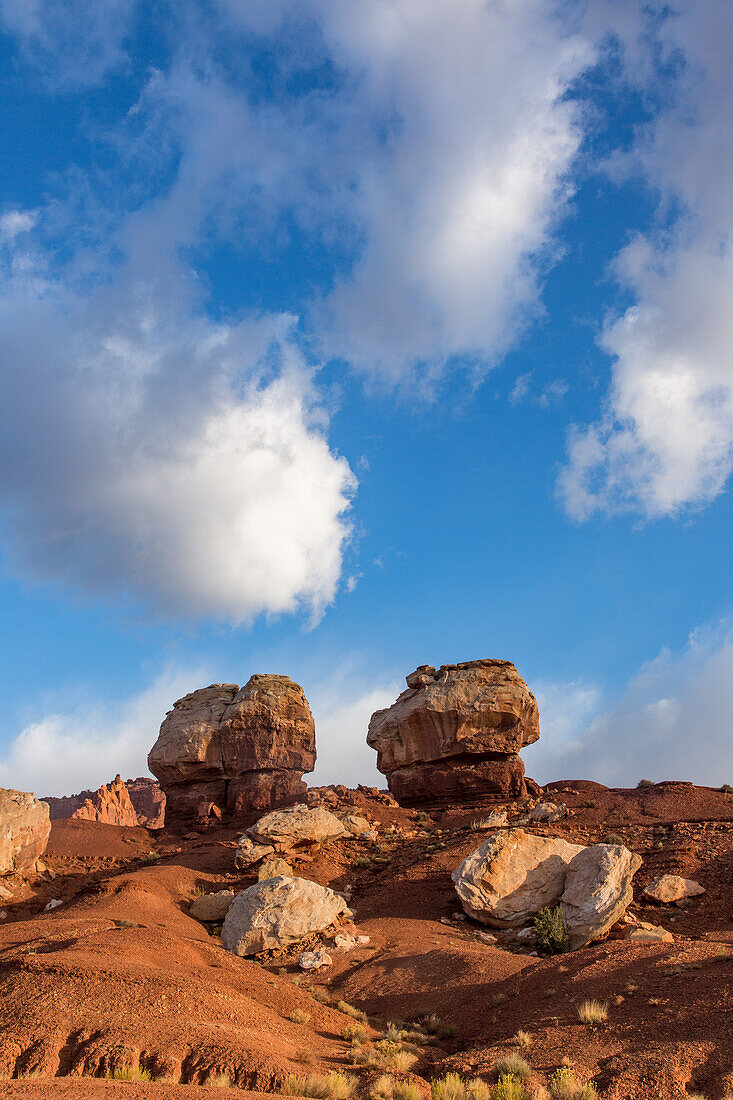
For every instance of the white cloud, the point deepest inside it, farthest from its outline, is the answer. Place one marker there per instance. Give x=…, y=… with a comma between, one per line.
x=665, y=440
x=149, y=451
x=671, y=722
x=15, y=222
x=64, y=753
x=342, y=708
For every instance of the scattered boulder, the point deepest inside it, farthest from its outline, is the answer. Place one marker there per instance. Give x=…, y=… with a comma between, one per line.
x=670, y=888
x=355, y=824
x=512, y=875
x=648, y=933
x=212, y=907
x=455, y=733
x=598, y=890
x=278, y=912
x=110, y=804
x=25, y=826
x=344, y=941
x=301, y=824
x=274, y=866
x=53, y=904
x=314, y=960
x=225, y=751
x=249, y=853
x=496, y=820
x=548, y=811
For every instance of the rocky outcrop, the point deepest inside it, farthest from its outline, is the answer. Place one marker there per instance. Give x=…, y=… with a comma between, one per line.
x=278, y=912
x=284, y=829
x=514, y=874
x=455, y=733
x=224, y=751
x=148, y=800
x=134, y=802
x=25, y=826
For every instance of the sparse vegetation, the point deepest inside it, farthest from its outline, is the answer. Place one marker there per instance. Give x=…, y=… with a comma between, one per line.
x=349, y=1010
x=355, y=1033
x=403, y=1060
x=478, y=1089
x=513, y=1065
x=450, y=1087
x=644, y=783
x=563, y=1085
x=305, y=1057
x=219, y=1081
x=330, y=1086
x=387, y=1088
x=614, y=838
x=592, y=1012
x=298, y=1016
x=129, y=1073
x=522, y=1039
x=551, y=931
x=510, y=1088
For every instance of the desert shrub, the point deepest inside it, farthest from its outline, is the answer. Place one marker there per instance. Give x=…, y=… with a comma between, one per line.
x=551, y=931
x=563, y=1085
x=362, y=861
x=304, y=1056
x=614, y=838
x=450, y=1087
x=513, y=1065
x=727, y=788
x=219, y=1081
x=298, y=1016
x=522, y=1039
x=592, y=1012
x=644, y=783
x=331, y=1086
x=355, y=1032
x=349, y=1010
x=130, y=1073
x=477, y=1089
x=406, y=1090
x=403, y=1060
x=320, y=993
x=590, y=1092
x=509, y=1088
x=423, y=818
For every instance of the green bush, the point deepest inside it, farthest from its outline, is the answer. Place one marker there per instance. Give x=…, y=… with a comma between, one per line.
x=644, y=783
x=551, y=931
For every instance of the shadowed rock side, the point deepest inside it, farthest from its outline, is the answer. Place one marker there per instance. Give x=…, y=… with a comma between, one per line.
x=455, y=733
x=225, y=751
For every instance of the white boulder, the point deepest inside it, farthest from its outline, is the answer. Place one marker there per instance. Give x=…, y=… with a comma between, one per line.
x=278, y=912
x=301, y=824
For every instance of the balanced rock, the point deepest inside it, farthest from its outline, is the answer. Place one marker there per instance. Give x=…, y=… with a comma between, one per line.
x=301, y=824
x=212, y=907
x=455, y=733
x=278, y=912
x=514, y=874
x=223, y=751
x=669, y=888
x=25, y=826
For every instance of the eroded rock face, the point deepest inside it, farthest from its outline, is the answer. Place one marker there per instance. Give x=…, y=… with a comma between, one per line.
x=225, y=751
x=278, y=912
x=506, y=881
x=25, y=826
x=109, y=804
x=148, y=800
x=456, y=732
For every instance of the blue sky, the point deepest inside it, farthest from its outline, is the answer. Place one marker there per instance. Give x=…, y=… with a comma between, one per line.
x=339, y=339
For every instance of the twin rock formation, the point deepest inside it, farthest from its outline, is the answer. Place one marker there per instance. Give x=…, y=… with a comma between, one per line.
x=455, y=733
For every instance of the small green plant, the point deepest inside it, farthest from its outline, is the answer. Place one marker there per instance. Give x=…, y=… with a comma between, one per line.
x=727, y=788
x=362, y=861
x=450, y=1087
x=551, y=931
x=614, y=838
x=592, y=1012
x=644, y=783
x=298, y=1016
x=423, y=818
x=513, y=1065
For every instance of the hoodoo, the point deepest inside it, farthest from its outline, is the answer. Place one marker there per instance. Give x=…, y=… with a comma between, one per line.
x=456, y=733
x=224, y=751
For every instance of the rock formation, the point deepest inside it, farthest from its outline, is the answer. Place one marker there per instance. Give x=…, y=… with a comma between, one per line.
x=514, y=874
x=25, y=826
x=277, y=912
x=225, y=751
x=135, y=802
x=455, y=733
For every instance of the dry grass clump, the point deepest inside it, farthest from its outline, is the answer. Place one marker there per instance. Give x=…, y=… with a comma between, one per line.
x=330, y=1086
x=129, y=1073
x=564, y=1086
x=435, y=1026
x=355, y=1033
x=476, y=1089
x=298, y=1016
x=510, y=1088
x=403, y=1061
x=219, y=1081
x=387, y=1088
x=320, y=993
x=592, y=1012
x=513, y=1065
x=450, y=1087
x=349, y=1010
x=305, y=1057
x=522, y=1039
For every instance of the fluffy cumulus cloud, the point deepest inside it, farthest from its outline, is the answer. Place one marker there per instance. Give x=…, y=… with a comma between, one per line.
x=671, y=722
x=147, y=450
x=664, y=443
x=456, y=136
x=342, y=711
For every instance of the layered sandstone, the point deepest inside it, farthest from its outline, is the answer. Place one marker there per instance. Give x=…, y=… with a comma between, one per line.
x=25, y=827
x=148, y=800
x=109, y=804
x=225, y=751
x=456, y=732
